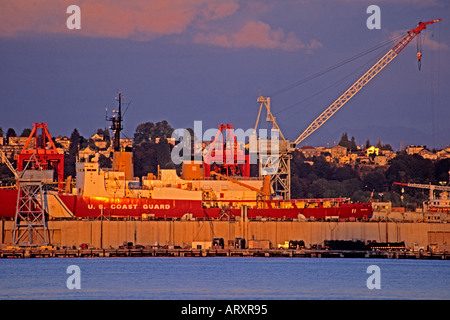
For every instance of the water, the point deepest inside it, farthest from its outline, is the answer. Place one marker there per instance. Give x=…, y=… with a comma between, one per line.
x=223, y=278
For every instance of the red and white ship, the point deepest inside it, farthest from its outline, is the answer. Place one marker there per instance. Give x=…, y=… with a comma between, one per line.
x=202, y=192
x=109, y=193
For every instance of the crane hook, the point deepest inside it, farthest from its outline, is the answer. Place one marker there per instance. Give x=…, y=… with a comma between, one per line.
x=419, y=57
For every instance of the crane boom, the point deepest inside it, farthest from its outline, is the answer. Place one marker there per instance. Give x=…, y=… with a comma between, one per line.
x=9, y=165
x=431, y=187
x=363, y=80
x=423, y=186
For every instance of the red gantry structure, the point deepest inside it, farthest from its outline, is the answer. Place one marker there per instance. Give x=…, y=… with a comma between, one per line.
x=44, y=150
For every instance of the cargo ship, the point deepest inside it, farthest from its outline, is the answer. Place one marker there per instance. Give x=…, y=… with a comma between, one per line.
x=201, y=191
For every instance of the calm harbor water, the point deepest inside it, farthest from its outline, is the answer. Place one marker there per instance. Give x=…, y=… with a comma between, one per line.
x=223, y=278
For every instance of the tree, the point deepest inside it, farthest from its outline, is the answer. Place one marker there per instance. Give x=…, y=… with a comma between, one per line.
x=163, y=154
x=26, y=132
x=344, y=173
x=10, y=133
x=349, y=144
x=145, y=159
x=299, y=187
x=374, y=181
x=379, y=144
x=442, y=170
x=149, y=131
x=410, y=168
x=71, y=156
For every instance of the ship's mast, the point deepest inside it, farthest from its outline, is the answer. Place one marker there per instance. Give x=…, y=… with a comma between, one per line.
x=117, y=124
x=122, y=159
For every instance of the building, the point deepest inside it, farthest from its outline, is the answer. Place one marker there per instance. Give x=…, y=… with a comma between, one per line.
x=372, y=150
x=412, y=149
x=64, y=142
x=309, y=151
x=20, y=141
x=86, y=153
x=338, y=152
x=444, y=154
x=126, y=143
x=344, y=160
x=426, y=154
x=381, y=160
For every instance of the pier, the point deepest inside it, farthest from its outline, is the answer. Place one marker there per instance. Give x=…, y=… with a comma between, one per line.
x=176, y=252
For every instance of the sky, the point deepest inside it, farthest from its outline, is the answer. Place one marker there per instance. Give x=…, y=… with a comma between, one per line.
x=209, y=60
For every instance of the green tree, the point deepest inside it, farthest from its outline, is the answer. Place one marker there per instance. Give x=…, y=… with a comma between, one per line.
x=410, y=168
x=10, y=133
x=442, y=171
x=26, y=132
x=145, y=158
x=71, y=156
x=349, y=144
x=344, y=173
x=374, y=181
x=149, y=131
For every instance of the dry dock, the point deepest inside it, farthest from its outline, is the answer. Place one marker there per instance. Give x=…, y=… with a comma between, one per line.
x=166, y=238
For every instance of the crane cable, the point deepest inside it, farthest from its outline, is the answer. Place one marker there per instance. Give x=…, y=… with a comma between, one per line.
x=419, y=50
x=370, y=62
x=340, y=64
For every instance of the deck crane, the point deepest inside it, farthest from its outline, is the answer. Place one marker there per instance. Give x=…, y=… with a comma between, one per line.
x=286, y=148
x=431, y=187
x=434, y=203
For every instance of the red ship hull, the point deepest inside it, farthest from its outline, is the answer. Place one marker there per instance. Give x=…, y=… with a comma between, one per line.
x=94, y=207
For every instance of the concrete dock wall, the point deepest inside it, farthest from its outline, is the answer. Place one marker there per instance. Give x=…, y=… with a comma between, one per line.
x=106, y=234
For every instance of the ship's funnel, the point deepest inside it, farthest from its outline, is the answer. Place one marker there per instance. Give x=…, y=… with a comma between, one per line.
x=123, y=162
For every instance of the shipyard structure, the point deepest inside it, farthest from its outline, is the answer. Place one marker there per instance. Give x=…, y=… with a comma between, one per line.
x=214, y=202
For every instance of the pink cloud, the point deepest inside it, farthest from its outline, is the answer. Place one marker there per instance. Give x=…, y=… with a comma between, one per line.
x=144, y=20
x=257, y=34
x=138, y=19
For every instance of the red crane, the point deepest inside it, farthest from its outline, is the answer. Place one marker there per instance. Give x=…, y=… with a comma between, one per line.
x=361, y=82
x=44, y=151
x=286, y=147
x=224, y=156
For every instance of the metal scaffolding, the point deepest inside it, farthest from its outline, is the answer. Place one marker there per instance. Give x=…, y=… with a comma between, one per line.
x=30, y=223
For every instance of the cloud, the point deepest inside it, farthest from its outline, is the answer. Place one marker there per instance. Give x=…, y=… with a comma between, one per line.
x=136, y=19
x=145, y=20
x=257, y=34
x=416, y=3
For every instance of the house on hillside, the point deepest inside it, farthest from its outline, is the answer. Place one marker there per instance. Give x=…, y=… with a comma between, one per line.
x=338, y=152
x=426, y=154
x=412, y=149
x=309, y=151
